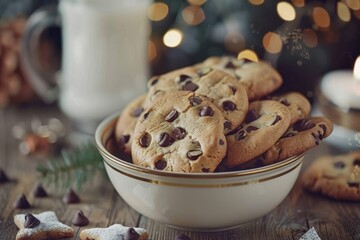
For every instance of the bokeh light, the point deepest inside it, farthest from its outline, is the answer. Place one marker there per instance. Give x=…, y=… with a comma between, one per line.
x=256, y=2
x=248, y=54
x=298, y=3
x=353, y=4
x=152, y=52
x=234, y=41
x=321, y=17
x=343, y=12
x=172, y=38
x=158, y=11
x=272, y=42
x=193, y=15
x=286, y=11
x=310, y=38
x=196, y=2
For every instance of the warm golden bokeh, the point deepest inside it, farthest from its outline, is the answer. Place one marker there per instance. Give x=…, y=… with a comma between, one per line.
x=286, y=11
x=248, y=54
x=298, y=3
x=343, y=12
x=321, y=17
x=152, y=53
x=234, y=41
x=353, y=4
x=196, y=2
x=158, y=11
x=272, y=42
x=256, y=2
x=310, y=38
x=172, y=38
x=193, y=15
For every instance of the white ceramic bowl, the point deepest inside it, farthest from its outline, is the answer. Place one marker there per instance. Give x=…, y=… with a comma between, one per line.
x=198, y=201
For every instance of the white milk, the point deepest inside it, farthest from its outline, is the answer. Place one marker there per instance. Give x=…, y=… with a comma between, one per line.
x=104, y=61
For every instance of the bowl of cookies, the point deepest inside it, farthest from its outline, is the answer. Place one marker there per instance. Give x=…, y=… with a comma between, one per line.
x=209, y=146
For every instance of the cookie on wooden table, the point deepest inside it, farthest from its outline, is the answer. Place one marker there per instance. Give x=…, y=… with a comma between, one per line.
x=258, y=78
x=114, y=232
x=223, y=89
x=265, y=123
x=41, y=226
x=126, y=122
x=182, y=132
x=298, y=105
x=337, y=177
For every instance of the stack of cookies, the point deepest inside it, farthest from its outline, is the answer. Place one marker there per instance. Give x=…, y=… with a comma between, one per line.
x=218, y=115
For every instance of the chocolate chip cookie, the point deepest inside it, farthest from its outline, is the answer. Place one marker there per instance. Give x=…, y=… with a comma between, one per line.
x=181, y=132
x=337, y=177
x=258, y=78
x=224, y=90
x=300, y=137
x=265, y=123
x=125, y=124
x=298, y=105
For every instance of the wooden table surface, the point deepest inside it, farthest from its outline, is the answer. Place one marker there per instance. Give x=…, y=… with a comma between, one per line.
x=103, y=206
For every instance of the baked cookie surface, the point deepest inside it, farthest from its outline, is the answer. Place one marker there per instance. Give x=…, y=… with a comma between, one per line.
x=114, y=232
x=258, y=78
x=265, y=123
x=182, y=132
x=223, y=89
x=125, y=124
x=337, y=177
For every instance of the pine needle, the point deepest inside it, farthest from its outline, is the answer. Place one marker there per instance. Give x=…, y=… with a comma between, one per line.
x=72, y=169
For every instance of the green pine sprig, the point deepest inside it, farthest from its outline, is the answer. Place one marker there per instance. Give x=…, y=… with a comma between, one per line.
x=72, y=169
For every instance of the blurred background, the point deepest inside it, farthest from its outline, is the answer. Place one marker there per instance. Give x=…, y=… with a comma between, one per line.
x=302, y=39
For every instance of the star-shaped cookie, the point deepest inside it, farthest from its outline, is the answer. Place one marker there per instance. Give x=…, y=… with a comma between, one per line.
x=41, y=226
x=116, y=231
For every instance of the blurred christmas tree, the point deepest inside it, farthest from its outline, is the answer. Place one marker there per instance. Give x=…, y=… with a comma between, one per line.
x=302, y=40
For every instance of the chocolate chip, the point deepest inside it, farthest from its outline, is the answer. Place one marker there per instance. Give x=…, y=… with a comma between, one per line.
x=229, y=106
x=206, y=170
x=356, y=162
x=39, y=191
x=131, y=234
x=230, y=65
x=194, y=100
x=172, y=116
x=289, y=134
x=190, y=86
x=323, y=127
x=182, y=237
x=227, y=125
x=160, y=164
x=31, y=221
x=21, y=202
x=233, y=89
x=79, y=219
x=240, y=135
x=194, y=154
x=252, y=115
x=70, y=197
x=137, y=111
x=303, y=125
x=317, y=138
x=179, y=133
x=353, y=184
x=285, y=102
x=339, y=165
x=203, y=71
x=145, y=140
x=221, y=142
x=146, y=115
x=251, y=128
x=154, y=81
x=3, y=177
x=183, y=78
x=165, y=140
x=277, y=118
x=206, y=111
x=123, y=139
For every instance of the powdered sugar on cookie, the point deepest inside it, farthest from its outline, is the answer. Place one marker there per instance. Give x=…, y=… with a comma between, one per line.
x=116, y=231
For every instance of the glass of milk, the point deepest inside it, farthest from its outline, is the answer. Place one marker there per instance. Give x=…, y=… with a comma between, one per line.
x=104, y=56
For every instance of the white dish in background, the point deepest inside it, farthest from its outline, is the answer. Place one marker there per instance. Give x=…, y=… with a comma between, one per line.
x=198, y=201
